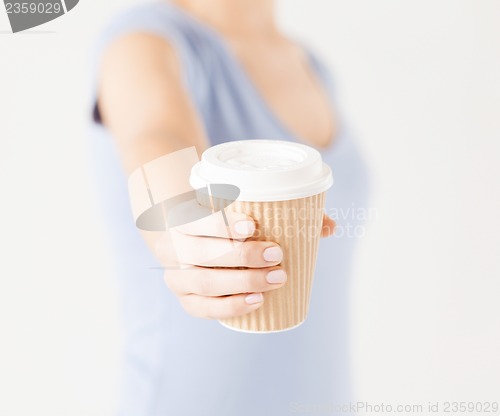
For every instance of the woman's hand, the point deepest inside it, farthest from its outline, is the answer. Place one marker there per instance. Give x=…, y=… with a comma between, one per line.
x=217, y=272
x=328, y=226
x=158, y=118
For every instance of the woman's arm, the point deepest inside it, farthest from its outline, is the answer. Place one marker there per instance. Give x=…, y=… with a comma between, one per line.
x=143, y=101
x=144, y=105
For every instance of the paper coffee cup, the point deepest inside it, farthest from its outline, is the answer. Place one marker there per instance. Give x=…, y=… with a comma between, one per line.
x=282, y=187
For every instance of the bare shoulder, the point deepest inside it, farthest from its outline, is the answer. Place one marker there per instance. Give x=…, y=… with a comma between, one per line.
x=139, y=50
x=143, y=100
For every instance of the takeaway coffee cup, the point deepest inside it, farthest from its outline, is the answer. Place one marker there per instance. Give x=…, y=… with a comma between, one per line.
x=282, y=187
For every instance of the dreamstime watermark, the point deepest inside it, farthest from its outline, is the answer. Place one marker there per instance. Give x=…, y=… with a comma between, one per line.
x=28, y=14
x=365, y=408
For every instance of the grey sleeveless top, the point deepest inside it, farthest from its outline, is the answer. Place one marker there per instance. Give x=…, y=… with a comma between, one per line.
x=178, y=365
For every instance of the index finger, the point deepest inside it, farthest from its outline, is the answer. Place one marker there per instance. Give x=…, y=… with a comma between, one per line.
x=223, y=224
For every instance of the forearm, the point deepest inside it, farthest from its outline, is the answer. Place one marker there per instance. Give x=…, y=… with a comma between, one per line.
x=155, y=183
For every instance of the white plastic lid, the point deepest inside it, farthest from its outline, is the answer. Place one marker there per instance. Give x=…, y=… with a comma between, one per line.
x=264, y=170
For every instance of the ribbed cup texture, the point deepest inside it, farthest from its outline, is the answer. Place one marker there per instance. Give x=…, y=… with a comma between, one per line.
x=296, y=226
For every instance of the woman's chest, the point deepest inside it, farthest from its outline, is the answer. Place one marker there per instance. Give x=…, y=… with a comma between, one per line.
x=289, y=90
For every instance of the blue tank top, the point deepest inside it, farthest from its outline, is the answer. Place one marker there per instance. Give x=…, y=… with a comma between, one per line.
x=178, y=365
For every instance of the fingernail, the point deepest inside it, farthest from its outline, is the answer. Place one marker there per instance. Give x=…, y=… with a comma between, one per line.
x=254, y=298
x=273, y=254
x=245, y=227
x=276, y=276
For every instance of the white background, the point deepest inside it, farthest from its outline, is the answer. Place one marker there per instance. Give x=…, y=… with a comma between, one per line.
x=419, y=84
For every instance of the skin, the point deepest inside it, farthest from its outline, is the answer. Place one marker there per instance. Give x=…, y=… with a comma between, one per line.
x=145, y=107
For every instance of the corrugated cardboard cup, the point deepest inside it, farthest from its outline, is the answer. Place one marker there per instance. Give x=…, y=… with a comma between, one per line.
x=282, y=187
